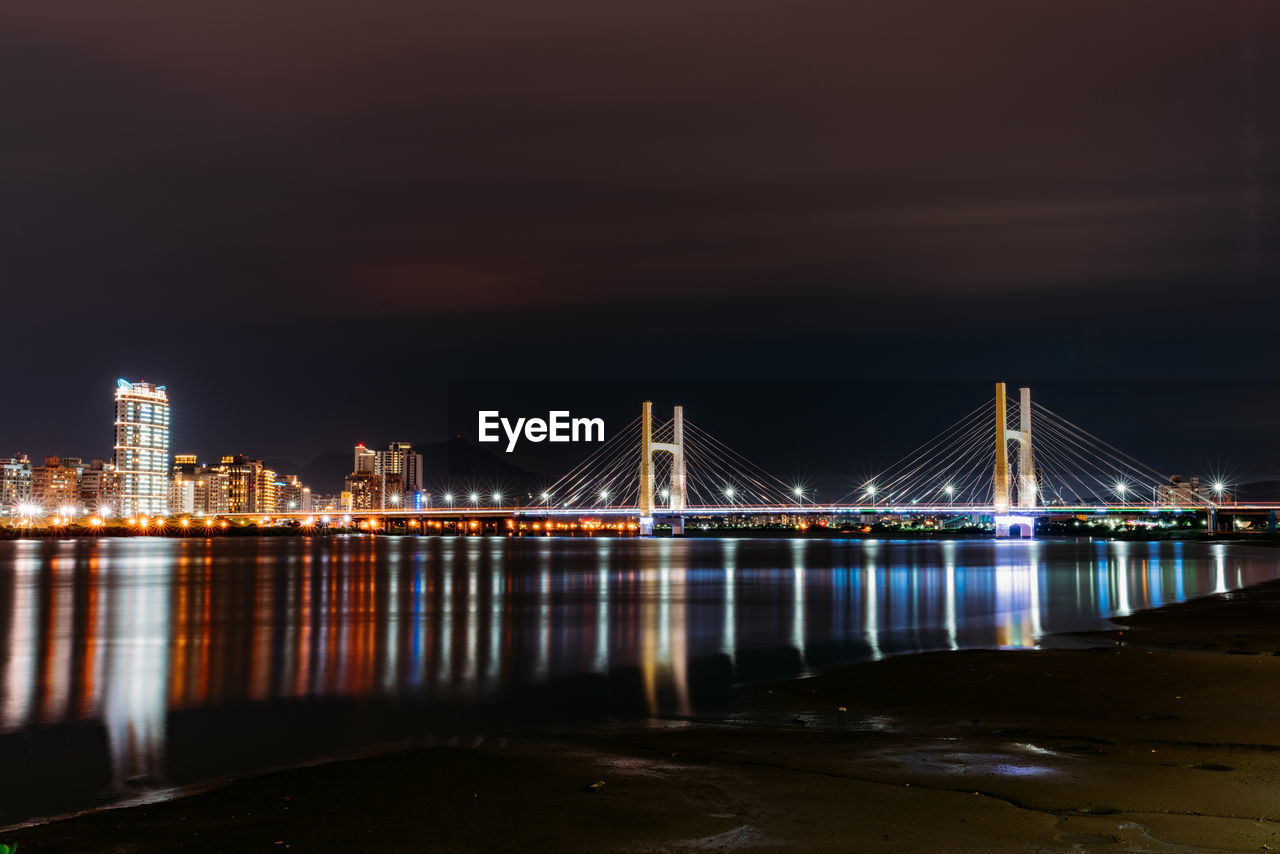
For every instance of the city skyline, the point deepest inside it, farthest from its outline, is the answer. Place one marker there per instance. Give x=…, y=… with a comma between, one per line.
x=139, y=480
x=1192, y=441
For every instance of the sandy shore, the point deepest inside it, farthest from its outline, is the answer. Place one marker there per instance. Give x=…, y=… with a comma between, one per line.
x=1169, y=741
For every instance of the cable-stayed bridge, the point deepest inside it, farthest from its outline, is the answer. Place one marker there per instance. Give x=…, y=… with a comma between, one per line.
x=664, y=471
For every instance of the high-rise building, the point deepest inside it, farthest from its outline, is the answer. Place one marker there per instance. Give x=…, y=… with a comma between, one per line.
x=15, y=482
x=268, y=492
x=100, y=488
x=142, y=448
x=364, y=492
x=250, y=487
x=384, y=480
x=401, y=467
x=184, y=484
x=366, y=460
x=244, y=480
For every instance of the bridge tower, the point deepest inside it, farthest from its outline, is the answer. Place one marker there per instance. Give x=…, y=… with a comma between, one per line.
x=648, y=448
x=1026, y=460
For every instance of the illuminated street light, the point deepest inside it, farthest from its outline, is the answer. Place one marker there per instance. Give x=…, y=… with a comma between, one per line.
x=497, y=499
x=871, y=490
x=604, y=495
x=448, y=498
x=475, y=498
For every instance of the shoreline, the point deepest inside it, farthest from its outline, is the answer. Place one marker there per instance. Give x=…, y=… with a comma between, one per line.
x=1142, y=740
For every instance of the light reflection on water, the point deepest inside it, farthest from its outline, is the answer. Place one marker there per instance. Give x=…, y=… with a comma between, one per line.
x=144, y=663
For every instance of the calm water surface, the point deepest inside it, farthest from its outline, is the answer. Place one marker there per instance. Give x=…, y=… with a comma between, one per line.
x=129, y=667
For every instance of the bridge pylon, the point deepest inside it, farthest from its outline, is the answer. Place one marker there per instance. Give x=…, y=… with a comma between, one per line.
x=648, y=448
x=1026, y=460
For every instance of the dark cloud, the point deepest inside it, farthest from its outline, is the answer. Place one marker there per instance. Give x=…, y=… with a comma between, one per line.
x=244, y=190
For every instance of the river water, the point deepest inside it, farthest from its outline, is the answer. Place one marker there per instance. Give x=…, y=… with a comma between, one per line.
x=133, y=667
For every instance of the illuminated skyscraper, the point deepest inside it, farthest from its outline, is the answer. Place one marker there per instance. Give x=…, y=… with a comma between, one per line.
x=142, y=448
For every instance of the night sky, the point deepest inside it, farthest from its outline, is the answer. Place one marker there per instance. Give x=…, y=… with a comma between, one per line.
x=306, y=218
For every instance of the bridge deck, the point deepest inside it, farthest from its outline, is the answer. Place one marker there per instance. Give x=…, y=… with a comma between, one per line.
x=771, y=510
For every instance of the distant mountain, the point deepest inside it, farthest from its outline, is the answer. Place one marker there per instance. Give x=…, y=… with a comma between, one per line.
x=281, y=466
x=325, y=474
x=456, y=463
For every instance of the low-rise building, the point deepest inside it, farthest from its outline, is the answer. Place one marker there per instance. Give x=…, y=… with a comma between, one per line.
x=100, y=488
x=1182, y=493
x=56, y=484
x=213, y=491
x=292, y=496
x=15, y=482
x=326, y=504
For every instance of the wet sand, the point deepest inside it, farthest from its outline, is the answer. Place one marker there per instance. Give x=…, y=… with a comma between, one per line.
x=1164, y=737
